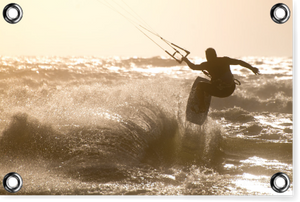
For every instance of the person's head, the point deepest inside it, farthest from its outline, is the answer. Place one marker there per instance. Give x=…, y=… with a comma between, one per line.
x=210, y=54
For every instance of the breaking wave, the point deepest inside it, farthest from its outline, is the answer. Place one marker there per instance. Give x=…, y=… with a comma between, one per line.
x=134, y=125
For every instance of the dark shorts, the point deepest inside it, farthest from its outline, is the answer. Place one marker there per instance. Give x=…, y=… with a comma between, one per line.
x=215, y=90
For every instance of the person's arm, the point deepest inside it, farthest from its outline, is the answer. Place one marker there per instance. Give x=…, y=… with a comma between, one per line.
x=193, y=66
x=244, y=64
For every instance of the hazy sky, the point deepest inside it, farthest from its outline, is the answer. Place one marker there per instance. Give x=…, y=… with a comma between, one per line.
x=88, y=27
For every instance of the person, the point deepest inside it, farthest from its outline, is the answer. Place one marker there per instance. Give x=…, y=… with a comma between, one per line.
x=222, y=83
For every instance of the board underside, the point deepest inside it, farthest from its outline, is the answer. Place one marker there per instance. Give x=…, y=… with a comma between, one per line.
x=191, y=116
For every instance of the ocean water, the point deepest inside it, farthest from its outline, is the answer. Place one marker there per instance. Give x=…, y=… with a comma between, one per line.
x=116, y=126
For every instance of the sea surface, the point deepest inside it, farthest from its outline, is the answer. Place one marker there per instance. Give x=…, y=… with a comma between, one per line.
x=116, y=126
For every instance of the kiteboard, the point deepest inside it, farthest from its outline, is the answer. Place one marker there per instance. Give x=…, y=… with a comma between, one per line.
x=191, y=115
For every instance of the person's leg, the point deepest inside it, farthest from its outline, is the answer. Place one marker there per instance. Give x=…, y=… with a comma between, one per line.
x=213, y=90
x=207, y=88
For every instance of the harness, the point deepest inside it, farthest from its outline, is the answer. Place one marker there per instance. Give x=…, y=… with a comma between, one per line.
x=237, y=82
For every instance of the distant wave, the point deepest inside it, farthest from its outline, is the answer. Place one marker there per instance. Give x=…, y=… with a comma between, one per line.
x=266, y=94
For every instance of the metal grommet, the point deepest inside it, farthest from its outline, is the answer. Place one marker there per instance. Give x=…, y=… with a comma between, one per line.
x=12, y=13
x=280, y=13
x=12, y=182
x=280, y=182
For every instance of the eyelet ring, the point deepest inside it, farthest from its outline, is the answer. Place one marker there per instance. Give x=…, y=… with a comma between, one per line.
x=280, y=13
x=12, y=182
x=12, y=13
x=279, y=187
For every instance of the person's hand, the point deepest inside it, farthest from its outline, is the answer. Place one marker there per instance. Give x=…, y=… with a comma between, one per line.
x=255, y=71
x=185, y=59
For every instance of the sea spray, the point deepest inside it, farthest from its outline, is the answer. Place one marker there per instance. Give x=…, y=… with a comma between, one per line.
x=200, y=144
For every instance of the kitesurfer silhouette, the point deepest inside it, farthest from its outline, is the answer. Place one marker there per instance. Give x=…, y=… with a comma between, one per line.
x=222, y=83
